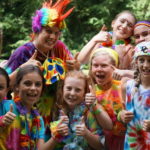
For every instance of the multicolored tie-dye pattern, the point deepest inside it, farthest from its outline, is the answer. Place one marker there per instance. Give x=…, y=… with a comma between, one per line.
x=54, y=69
x=22, y=55
x=73, y=142
x=24, y=52
x=139, y=103
x=20, y=135
x=111, y=100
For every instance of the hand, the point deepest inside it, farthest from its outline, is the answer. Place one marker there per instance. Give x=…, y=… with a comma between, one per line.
x=102, y=36
x=9, y=117
x=73, y=64
x=90, y=97
x=146, y=125
x=32, y=60
x=126, y=116
x=81, y=129
x=118, y=74
x=125, y=53
x=63, y=127
x=64, y=117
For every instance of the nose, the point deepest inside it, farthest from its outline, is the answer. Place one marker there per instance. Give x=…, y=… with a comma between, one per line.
x=124, y=25
x=146, y=64
x=33, y=87
x=53, y=35
x=72, y=92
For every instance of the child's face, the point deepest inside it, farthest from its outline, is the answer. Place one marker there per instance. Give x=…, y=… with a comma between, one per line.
x=102, y=69
x=30, y=88
x=123, y=26
x=47, y=38
x=143, y=63
x=3, y=87
x=73, y=91
x=141, y=34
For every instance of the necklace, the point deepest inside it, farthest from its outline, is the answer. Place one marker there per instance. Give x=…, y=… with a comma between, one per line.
x=45, y=55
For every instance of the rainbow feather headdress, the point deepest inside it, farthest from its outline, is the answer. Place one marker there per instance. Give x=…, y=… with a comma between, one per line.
x=51, y=15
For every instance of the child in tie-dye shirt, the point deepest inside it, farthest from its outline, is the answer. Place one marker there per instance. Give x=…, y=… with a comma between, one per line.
x=137, y=93
x=76, y=128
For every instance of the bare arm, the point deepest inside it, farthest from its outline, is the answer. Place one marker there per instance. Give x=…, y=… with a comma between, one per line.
x=94, y=43
x=102, y=117
x=92, y=139
x=49, y=145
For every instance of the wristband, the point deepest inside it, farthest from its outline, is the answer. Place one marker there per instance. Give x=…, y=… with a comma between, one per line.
x=1, y=121
x=119, y=116
x=96, y=110
x=55, y=134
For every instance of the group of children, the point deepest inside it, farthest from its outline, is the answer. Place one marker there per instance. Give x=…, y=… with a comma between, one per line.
x=108, y=109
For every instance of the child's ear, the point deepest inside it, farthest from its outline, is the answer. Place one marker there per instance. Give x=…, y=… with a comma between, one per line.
x=16, y=89
x=112, y=24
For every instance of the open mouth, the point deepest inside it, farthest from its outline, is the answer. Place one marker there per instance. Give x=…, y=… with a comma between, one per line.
x=100, y=76
x=32, y=95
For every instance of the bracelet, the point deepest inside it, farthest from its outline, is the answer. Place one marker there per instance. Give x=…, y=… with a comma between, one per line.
x=56, y=136
x=96, y=110
x=1, y=121
x=119, y=116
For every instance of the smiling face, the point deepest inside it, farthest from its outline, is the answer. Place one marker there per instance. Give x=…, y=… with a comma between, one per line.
x=123, y=26
x=3, y=87
x=101, y=69
x=47, y=38
x=30, y=88
x=141, y=33
x=73, y=91
x=143, y=63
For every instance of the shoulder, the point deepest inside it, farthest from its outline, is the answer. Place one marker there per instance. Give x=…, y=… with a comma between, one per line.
x=6, y=105
x=61, y=51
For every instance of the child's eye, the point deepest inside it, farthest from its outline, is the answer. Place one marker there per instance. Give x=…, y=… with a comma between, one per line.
x=2, y=87
x=130, y=25
x=95, y=65
x=78, y=90
x=144, y=34
x=28, y=83
x=122, y=20
x=141, y=60
x=136, y=36
x=68, y=88
x=38, y=84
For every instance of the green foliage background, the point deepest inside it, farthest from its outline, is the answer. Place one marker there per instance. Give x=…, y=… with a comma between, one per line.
x=85, y=21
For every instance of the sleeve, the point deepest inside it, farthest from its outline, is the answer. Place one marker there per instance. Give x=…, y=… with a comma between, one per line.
x=41, y=129
x=19, y=56
x=94, y=127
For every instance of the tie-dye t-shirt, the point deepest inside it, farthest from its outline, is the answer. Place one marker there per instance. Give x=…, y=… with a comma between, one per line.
x=14, y=136
x=74, y=142
x=139, y=103
x=112, y=102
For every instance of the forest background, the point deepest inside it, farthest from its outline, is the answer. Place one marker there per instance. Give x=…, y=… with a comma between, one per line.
x=85, y=21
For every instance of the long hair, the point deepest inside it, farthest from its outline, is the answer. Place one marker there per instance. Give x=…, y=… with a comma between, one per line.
x=4, y=73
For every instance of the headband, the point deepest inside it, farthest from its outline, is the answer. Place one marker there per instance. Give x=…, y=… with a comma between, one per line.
x=145, y=23
x=112, y=53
